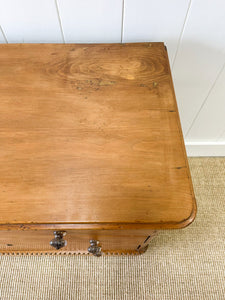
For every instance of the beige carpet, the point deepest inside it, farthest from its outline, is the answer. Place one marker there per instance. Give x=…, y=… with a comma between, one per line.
x=180, y=264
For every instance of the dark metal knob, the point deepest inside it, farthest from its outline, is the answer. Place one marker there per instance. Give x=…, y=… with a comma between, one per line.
x=94, y=248
x=58, y=242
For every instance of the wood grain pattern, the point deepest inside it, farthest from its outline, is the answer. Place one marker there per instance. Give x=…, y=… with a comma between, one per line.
x=90, y=134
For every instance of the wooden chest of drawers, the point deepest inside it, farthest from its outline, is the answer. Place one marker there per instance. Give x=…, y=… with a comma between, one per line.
x=91, y=149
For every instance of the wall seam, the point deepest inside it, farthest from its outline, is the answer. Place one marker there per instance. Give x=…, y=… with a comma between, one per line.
x=122, y=22
x=60, y=21
x=219, y=139
x=181, y=33
x=204, y=102
x=3, y=34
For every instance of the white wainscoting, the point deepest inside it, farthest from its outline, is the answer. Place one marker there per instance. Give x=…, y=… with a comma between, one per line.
x=155, y=20
x=91, y=21
x=30, y=21
x=193, y=30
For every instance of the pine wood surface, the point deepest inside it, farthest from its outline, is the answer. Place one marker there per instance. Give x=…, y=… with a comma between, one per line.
x=90, y=136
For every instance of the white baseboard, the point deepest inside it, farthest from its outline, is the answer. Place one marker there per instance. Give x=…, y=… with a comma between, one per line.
x=205, y=148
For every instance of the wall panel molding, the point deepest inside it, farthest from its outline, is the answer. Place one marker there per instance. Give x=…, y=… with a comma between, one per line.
x=205, y=149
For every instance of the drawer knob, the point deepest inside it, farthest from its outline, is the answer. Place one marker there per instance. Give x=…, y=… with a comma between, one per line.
x=94, y=248
x=58, y=242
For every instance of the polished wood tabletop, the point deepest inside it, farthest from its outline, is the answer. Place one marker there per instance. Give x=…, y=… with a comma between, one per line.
x=90, y=134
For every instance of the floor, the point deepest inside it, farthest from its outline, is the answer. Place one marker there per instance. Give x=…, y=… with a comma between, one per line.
x=180, y=264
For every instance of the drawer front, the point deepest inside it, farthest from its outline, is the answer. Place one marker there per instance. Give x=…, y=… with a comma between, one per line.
x=74, y=241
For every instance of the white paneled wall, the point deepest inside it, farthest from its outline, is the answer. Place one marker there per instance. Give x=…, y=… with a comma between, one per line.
x=193, y=30
x=2, y=39
x=91, y=21
x=155, y=20
x=200, y=57
x=211, y=114
x=30, y=21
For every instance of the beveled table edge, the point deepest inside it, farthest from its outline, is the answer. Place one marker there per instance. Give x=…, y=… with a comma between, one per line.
x=114, y=225
x=101, y=226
